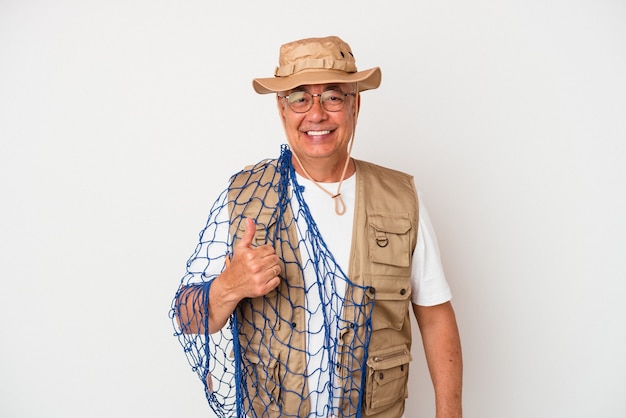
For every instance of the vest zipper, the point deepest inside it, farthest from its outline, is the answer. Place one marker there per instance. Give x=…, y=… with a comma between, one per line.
x=389, y=356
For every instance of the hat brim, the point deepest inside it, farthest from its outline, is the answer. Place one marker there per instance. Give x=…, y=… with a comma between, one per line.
x=367, y=80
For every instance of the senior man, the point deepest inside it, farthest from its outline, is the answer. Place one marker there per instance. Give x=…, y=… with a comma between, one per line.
x=296, y=301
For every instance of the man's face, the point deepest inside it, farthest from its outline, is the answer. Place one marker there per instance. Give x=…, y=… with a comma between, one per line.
x=318, y=135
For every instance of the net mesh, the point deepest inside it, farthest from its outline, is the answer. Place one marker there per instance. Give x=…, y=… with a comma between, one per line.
x=298, y=351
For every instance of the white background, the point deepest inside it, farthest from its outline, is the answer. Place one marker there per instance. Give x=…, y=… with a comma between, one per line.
x=121, y=119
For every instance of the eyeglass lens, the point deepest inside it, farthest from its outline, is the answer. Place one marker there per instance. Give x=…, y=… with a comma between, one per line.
x=302, y=101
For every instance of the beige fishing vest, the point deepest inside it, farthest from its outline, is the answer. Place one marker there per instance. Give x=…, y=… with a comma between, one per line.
x=271, y=328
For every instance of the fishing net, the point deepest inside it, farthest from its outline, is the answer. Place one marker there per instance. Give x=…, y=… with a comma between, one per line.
x=299, y=351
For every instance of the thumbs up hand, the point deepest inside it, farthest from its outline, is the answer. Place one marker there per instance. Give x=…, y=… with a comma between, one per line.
x=252, y=271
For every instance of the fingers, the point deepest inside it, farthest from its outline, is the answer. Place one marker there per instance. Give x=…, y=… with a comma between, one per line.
x=274, y=271
x=252, y=270
x=248, y=236
x=274, y=280
x=271, y=284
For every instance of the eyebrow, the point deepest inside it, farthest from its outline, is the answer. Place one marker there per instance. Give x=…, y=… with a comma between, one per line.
x=327, y=88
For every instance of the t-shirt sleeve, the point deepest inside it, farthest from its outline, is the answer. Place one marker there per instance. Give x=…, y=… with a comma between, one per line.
x=208, y=259
x=429, y=283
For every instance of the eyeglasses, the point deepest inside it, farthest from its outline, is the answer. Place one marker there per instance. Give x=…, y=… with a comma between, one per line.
x=302, y=101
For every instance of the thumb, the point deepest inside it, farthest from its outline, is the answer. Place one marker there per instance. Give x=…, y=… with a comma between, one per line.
x=248, y=236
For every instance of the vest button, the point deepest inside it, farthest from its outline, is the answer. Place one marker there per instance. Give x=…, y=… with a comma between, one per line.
x=293, y=325
x=403, y=292
x=381, y=375
x=372, y=290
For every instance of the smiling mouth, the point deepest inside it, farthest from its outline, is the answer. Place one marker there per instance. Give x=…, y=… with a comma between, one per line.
x=317, y=133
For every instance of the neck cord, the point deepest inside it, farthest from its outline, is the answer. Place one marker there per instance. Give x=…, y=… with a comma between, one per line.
x=340, y=206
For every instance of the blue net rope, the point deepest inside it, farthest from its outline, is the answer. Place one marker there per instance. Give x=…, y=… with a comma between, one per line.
x=298, y=351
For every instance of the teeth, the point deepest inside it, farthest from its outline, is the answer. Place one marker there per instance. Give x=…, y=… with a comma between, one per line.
x=314, y=133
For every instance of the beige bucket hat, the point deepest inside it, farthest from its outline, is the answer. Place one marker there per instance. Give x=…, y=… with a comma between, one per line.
x=316, y=61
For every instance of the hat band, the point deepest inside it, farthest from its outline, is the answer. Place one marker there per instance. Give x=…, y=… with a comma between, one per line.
x=311, y=64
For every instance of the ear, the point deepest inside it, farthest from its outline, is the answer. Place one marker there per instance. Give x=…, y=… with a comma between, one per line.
x=280, y=104
x=357, y=107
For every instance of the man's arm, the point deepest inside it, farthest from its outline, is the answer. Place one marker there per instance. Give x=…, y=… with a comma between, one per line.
x=442, y=346
x=252, y=272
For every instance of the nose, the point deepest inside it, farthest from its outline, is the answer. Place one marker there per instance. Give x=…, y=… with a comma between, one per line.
x=317, y=111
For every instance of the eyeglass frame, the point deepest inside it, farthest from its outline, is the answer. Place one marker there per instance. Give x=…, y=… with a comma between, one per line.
x=313, y=95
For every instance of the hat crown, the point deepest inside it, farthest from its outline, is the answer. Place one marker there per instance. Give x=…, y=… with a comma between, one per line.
x=330, y=53
x=309, y=61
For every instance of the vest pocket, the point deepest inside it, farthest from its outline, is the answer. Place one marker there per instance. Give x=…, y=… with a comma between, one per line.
x=391, y=297
x=387, y=375
x=389, y=239
x=262, y=382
